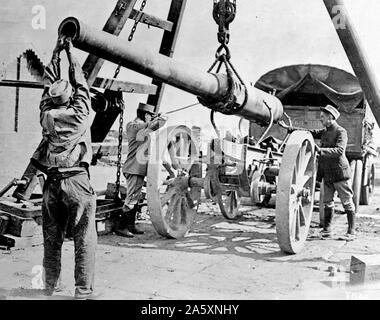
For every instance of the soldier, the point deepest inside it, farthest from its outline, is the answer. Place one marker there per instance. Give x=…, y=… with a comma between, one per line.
x=135, y=167
x=64, y=155
x=334, y=168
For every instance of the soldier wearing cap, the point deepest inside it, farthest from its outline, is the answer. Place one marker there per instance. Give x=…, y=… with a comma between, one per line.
x=334, y=168
x=64, y=155
x=135, y=166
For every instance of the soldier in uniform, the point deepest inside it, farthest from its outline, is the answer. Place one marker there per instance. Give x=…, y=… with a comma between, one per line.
x=334, y=169
x=135, y=167
x=64, y=155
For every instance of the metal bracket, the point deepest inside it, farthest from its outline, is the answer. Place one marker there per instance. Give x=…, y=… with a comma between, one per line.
x=120, y=8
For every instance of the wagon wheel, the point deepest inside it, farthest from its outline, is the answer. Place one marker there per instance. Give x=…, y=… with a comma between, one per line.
x=172, y=202
x=228, y=199
x=229, y=203
x=209, y=189
x=321, y=205
x=295, y=191
x=357, y=183
x=368, y=189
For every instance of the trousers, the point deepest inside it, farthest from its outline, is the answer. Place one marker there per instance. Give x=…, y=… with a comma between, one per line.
x=134, y=186
x=69, y=200
x=345, y=194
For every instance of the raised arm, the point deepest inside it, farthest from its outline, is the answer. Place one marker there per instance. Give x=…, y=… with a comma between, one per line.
x=52, y=73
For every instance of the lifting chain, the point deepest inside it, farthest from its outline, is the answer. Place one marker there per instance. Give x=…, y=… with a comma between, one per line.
x=119, y=149
x=137, y=21
x=224, y=13
x=120, y=139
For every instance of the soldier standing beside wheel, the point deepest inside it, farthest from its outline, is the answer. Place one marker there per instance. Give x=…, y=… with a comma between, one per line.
x=64, y=155
x=334, y=168
x=135, y=167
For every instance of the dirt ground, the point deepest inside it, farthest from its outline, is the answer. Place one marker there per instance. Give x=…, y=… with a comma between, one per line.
x=217, y=259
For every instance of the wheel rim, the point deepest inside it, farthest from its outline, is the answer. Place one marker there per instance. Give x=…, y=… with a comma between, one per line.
x=229, y=203
x=295, y=192
x=371, y=180
x=209, y=190
x=172, y=206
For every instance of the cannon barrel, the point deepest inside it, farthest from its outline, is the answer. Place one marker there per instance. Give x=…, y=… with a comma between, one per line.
x=228, y=97
x=355, y=53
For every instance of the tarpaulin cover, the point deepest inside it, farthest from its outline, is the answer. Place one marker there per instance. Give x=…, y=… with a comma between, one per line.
x=308, y=83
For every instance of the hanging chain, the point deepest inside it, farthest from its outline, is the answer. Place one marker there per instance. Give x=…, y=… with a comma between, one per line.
x=119, y=150
x=137, y=21
x=120, y=140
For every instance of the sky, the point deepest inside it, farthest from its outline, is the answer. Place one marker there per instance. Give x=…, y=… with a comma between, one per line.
x=266, y=34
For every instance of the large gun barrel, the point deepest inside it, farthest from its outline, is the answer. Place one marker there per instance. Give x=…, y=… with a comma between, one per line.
x=228, y=97
x=355, y=53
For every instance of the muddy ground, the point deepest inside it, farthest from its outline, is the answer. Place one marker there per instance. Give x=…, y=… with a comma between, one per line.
x=218, y=259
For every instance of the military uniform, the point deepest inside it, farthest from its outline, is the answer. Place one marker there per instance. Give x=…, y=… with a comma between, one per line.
x=68, y=197
x=135, y=168
x=334, y=169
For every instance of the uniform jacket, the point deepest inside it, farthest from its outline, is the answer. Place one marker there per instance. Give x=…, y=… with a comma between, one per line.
x=333, y=165
x=66, y=135
x=138, y=146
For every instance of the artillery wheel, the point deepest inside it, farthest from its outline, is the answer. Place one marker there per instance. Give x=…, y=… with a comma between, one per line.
x=321, y=205
x=209, y=190
x=357, y=183
x=295, y=192
x=172, y=202
x=229, y=203
x=257, y=194
x=368, y=189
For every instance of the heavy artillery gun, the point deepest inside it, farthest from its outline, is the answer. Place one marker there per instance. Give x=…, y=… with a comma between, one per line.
x=235, y=169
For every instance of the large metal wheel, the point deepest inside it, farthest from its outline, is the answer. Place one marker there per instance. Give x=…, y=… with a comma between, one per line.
x=357, y=183
x=368, y=186
x=229, y=203
x=171, y=201
x=295, y=192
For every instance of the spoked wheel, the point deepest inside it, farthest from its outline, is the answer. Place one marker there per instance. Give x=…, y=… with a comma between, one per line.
x=172, y=202
x=209, y=189
x=295, y=192
x=229, y=203
x=368, y=189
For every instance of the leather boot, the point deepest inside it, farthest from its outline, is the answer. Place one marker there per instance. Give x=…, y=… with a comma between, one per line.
x=328, y=217
x=351, y=222
x=131, y=222
x=121, y=226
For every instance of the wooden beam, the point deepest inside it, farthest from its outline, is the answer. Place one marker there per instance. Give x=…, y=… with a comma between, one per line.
x=168, y=43
x=103, y=83
x=151, y=20
x=21, y=84
x=124, y=86
x=114, y=25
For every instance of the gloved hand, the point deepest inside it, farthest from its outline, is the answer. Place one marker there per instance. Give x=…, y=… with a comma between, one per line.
x=60, y=45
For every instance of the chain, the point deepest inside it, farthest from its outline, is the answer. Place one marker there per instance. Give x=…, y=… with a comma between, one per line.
x=119, y=150
x=120, y=140
x=137, y=21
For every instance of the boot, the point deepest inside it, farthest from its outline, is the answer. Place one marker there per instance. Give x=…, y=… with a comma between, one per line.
x=326, y=232
x=121, y=226
x=130, y=222
x=351, y=222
